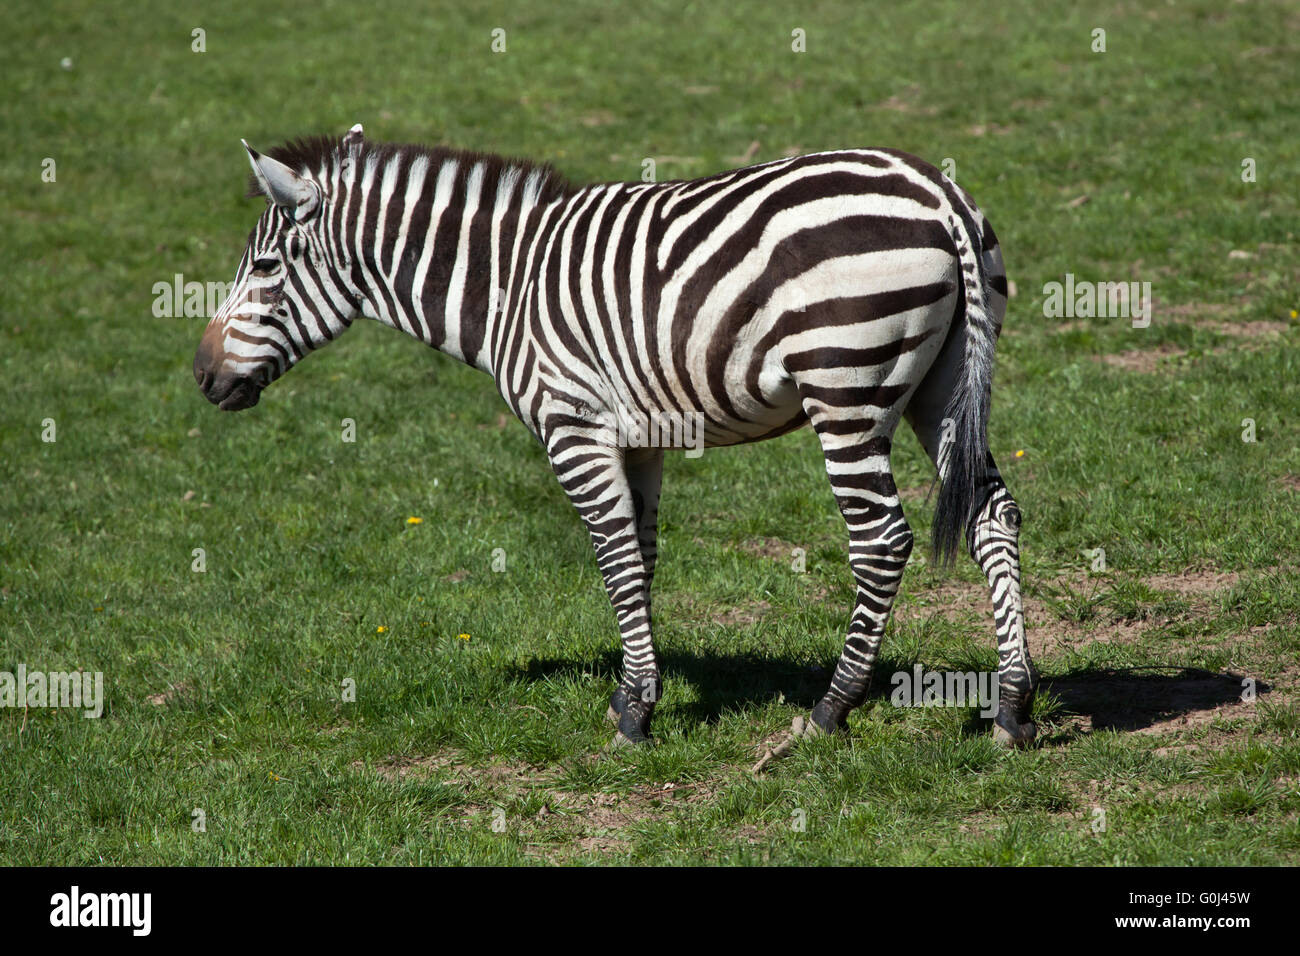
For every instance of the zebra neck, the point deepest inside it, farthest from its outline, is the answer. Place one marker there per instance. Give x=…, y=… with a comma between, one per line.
x=441, y=237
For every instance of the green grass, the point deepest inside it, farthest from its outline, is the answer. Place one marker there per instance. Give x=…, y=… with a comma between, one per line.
x=309, y=554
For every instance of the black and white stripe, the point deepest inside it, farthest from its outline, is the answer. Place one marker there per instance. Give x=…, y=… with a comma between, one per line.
x=845, y=289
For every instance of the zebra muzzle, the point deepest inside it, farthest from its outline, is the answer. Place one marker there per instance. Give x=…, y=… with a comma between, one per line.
x=243, y=394
x=230, y=393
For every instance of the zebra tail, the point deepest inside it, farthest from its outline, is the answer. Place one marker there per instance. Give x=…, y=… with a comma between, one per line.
x=964, y=447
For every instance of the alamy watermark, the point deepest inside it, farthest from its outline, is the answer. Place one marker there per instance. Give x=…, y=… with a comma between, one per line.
x=661, y=430
x=1086, y=300
x=922, y=688
x=190, y=300
x=128, y=910
x=78, y=690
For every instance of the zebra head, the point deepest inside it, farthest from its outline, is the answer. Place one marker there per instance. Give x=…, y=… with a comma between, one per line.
x=289, y=295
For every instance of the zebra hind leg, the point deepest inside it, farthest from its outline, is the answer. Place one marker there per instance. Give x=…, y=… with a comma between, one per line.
x=880, y=543
x=993, y=538
x=994, y=544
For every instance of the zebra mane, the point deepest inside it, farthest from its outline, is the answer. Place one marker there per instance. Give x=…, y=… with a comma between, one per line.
x=307, y=154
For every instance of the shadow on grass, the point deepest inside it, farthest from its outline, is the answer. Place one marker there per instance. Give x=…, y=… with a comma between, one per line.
x=723, y=682
x=1129, y=699
x=1140, y=697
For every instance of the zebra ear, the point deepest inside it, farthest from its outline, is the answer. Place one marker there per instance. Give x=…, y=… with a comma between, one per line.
x=352, y=141
x=296, y=195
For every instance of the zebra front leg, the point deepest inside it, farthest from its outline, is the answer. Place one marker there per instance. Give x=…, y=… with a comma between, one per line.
x=994, y=544
x=595, y=478
x=644, y=469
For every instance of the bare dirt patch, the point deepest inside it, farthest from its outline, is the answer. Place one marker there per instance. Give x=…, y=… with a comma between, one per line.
x=603, y=818
x=1142, y=360
x=420, y=768
x=1193, y=582
x=173, y=691
x=743, y=614
x=997, y=129
x=1210, y=316
x=597, y=118
x=1184, y=310
x=568, y=822
x=907, y=101
x=1046, y=631
x=1105, y=793
x=965, y=601
x=1254, y=329
x=769, y=548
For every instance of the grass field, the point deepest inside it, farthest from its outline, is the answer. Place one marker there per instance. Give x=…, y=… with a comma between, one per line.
x=479, y=691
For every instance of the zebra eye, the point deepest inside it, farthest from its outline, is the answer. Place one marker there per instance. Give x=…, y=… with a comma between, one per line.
x=265, y=267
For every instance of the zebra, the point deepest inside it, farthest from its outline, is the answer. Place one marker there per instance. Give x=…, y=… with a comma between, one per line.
x=846, y=289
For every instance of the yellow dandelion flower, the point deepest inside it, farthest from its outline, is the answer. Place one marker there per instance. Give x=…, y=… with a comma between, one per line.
x=463, y=637
x=1295, y=314
x=414, y=520
x=380, y=629
x=1021, y=453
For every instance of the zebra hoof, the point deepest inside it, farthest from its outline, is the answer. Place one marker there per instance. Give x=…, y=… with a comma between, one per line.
x=1020, y=736
x=632, y=718
x=800, y=728
x=618, y=700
